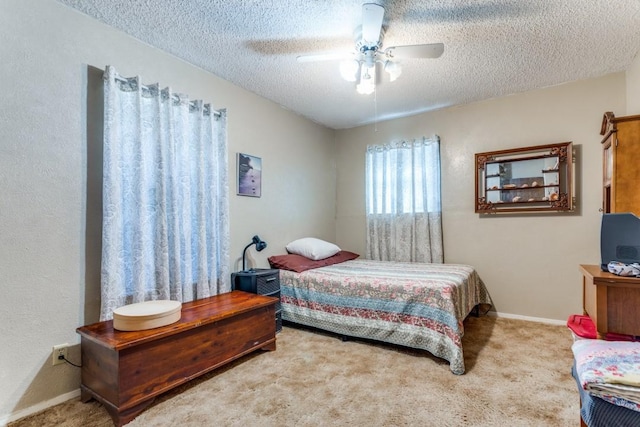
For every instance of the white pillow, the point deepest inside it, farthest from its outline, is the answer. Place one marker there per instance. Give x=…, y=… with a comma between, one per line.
x=312, y=248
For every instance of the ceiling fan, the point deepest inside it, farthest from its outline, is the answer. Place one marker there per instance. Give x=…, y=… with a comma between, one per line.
x=360, y=65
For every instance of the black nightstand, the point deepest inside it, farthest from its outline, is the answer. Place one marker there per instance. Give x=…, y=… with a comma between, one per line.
x=261, y=281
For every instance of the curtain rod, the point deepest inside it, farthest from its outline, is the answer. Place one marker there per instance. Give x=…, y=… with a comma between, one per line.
x=216, y=113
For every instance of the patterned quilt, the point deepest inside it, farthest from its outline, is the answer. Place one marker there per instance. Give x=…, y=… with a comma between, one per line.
x=609, y=370
x=412, y=304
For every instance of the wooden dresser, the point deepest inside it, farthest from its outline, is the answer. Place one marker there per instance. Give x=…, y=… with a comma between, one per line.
x=125, y=371
x=611, y=301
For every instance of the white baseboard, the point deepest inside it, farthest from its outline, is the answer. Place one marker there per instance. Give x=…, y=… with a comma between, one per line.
x=530, y=319
x=4, y=420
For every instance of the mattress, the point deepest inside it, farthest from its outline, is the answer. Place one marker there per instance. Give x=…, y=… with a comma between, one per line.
x=411, y=304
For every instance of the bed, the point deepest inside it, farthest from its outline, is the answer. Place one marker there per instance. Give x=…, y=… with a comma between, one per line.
x=411, y=304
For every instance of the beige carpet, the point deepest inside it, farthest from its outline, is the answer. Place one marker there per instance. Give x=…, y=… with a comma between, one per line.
x=518, y=374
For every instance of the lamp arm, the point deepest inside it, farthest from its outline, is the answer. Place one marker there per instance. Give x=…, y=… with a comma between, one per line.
x=244, y=253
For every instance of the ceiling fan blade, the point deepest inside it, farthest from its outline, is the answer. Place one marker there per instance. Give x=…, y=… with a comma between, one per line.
x=433, y=50
x=372, y=16
x=328, y=56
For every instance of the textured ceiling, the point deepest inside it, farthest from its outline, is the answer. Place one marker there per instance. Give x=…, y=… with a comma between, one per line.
x=492, y=47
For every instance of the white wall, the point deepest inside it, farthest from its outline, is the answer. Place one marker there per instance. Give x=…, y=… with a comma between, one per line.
x=529, y=262
x=633, y=88
x=49, y=209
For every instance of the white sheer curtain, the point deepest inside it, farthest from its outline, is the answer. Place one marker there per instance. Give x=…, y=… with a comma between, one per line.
x=404, y=218
x=165, y=196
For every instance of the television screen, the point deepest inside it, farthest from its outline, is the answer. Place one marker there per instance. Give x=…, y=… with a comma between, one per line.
x=619, y=238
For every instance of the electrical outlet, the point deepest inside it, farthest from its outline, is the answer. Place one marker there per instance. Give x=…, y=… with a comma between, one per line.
x=60, y=351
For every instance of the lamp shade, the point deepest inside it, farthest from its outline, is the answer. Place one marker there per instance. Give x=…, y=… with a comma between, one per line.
x=260, y=245
x=349, y=70
x=393, y=68
x=367, y=84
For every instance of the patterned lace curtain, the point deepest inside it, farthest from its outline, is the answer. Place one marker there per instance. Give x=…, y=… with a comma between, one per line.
x=404, y=218
x=165, y=232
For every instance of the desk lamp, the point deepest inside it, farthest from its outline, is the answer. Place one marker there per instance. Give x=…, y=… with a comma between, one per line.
x=260, y=245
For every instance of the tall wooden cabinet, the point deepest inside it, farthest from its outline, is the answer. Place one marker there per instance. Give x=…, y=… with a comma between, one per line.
x=621, y=163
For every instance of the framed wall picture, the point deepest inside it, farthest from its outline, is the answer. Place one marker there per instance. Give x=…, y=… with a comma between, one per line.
x=249, y=175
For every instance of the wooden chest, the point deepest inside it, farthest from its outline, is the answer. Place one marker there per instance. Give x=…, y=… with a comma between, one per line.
x=125, y=371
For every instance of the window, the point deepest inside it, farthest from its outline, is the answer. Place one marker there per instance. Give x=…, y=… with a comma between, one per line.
x=404, y=222
x=403, y=177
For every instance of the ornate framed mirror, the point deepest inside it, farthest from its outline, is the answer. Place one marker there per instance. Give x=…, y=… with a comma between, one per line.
x=529, y=179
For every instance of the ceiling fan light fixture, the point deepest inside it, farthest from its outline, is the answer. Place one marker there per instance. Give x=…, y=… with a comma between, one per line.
x=367, y=83
x=360, y=66
x=350, y=69
x=394, y=69
x=366, y=87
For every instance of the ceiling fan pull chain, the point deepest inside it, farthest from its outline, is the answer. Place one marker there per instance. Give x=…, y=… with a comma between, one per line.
x=375, y=109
